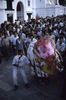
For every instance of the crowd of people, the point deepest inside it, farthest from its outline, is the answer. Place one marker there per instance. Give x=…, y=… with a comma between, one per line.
x=17, y=36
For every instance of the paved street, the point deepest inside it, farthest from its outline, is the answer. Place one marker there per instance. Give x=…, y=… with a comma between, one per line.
x=38, y=91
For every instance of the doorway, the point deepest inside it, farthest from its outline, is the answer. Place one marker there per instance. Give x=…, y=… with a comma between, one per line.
x=20, y=11
x=10, y=18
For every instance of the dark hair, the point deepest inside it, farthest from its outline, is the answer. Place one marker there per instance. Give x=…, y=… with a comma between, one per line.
x=19, y=51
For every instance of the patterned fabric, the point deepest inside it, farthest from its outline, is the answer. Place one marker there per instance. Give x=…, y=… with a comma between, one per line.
x=46, y=51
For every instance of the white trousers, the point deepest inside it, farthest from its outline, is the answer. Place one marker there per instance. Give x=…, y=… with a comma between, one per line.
x=15, y=70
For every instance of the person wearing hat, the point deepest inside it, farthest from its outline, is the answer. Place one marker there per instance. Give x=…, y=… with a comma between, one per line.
x=19, y=62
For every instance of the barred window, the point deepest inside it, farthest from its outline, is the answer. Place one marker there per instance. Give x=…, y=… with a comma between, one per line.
x=28, y=2
x=9, y=4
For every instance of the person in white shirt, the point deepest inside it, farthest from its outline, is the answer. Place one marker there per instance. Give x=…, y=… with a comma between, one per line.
x=6, y=44
x=30, y=53
x=19, y=62
x=61, y=35
x=60, y=45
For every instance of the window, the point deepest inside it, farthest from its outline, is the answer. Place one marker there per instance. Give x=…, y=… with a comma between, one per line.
x=28, y=2
x=9, y=4
x=62, y=2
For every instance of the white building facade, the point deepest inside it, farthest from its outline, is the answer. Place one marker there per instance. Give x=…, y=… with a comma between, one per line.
x=11, y=10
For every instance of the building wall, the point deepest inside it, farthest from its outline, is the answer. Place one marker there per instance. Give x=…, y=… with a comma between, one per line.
x=2, y=11
x=26, y=8
x=40, y=7
x=60, y=10
x=2, y=16
x=15, y=8
x=50, y=10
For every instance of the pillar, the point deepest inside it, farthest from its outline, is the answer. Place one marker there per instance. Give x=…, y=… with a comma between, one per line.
x=57, y=2
x=52, y=2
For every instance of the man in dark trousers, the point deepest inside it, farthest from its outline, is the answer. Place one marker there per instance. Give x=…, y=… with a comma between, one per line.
x=19, y=62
